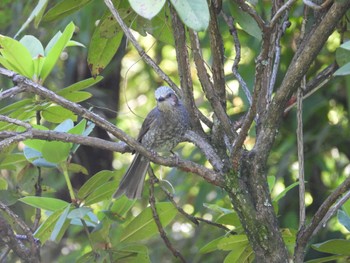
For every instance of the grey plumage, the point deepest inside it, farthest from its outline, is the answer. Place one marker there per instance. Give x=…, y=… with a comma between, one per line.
x=161, y=131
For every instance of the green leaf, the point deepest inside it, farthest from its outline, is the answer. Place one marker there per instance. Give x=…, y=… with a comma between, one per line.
x=33, y=45
x=326, y=259
x=283, y=193
x=334, y=246
x=84, y=84
x=343, y=71
x=11, y=161
x=3, y=184
x=271, y=180
x=78, y=96
x=346, y=45
x=247, y=23
x=147, y=9
x=344, y=219
x=131, y=253
x=94, y=182
x=64, y=8
x=233, y=242
x=65, y=126
x=194, y=13
x=79, y=128
x=56, y=50
x=240, y=255
x=46, y=203
x=101, y=49
x=17, y=56
x=61, y=225
x=44, y=231
x=102, y=192
x=37, y=13
x=211, y=246
x=55, y=151
x=231, y=219
x=143, y=226
x=119, y=208
x=79, y=212
x=36, y=158
x=57, y=114
x=342, y=56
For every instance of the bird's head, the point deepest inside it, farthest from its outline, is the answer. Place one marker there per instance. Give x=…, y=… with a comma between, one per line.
x=166, y=98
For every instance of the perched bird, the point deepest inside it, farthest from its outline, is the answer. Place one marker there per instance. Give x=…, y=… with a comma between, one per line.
x=161, y=131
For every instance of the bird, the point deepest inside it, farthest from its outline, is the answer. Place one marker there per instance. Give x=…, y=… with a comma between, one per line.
x=162, y=129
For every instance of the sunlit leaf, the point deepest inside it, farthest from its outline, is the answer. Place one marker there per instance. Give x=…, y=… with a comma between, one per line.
x=143, y=226
x=94, y=182
x=334, y=246
x=55, y=151
x=194, y=13
x=147, y=9
x=17, y=55
x=56, y=49
x=46, y=203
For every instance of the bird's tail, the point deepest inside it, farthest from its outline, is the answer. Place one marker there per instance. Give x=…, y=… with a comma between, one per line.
x=133, y=180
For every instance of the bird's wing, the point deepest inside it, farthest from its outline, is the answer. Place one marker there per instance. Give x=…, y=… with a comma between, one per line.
x=148, y=122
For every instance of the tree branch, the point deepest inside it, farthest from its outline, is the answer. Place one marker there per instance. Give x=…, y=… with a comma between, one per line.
x=306, y=234
x=163, y=235
x=31, y=254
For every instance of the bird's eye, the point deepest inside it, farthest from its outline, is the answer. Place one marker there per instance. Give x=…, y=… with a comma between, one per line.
x=168, y=95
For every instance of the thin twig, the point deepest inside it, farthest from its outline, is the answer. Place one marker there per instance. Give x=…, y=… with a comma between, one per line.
x=194, y=219
x=331, y=211
x=280, y=12
x=233, y=31
x=10, y=92
x=162, y=233
x=300, y=141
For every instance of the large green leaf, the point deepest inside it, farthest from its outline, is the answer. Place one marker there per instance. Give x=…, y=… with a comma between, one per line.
x=64, y=8
x=101, y=193
x=194, y=13
x=61, y=225
x=94, y=182
x=55, y=151
x=43, y=233
x=147, y=9
x=334, y=246
x=83, y=84
x=143, y=226
x=56, y=50
x=102, y=49
x=57, y=114
x=46, y=203
x=247, y=23
x=17, y=56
